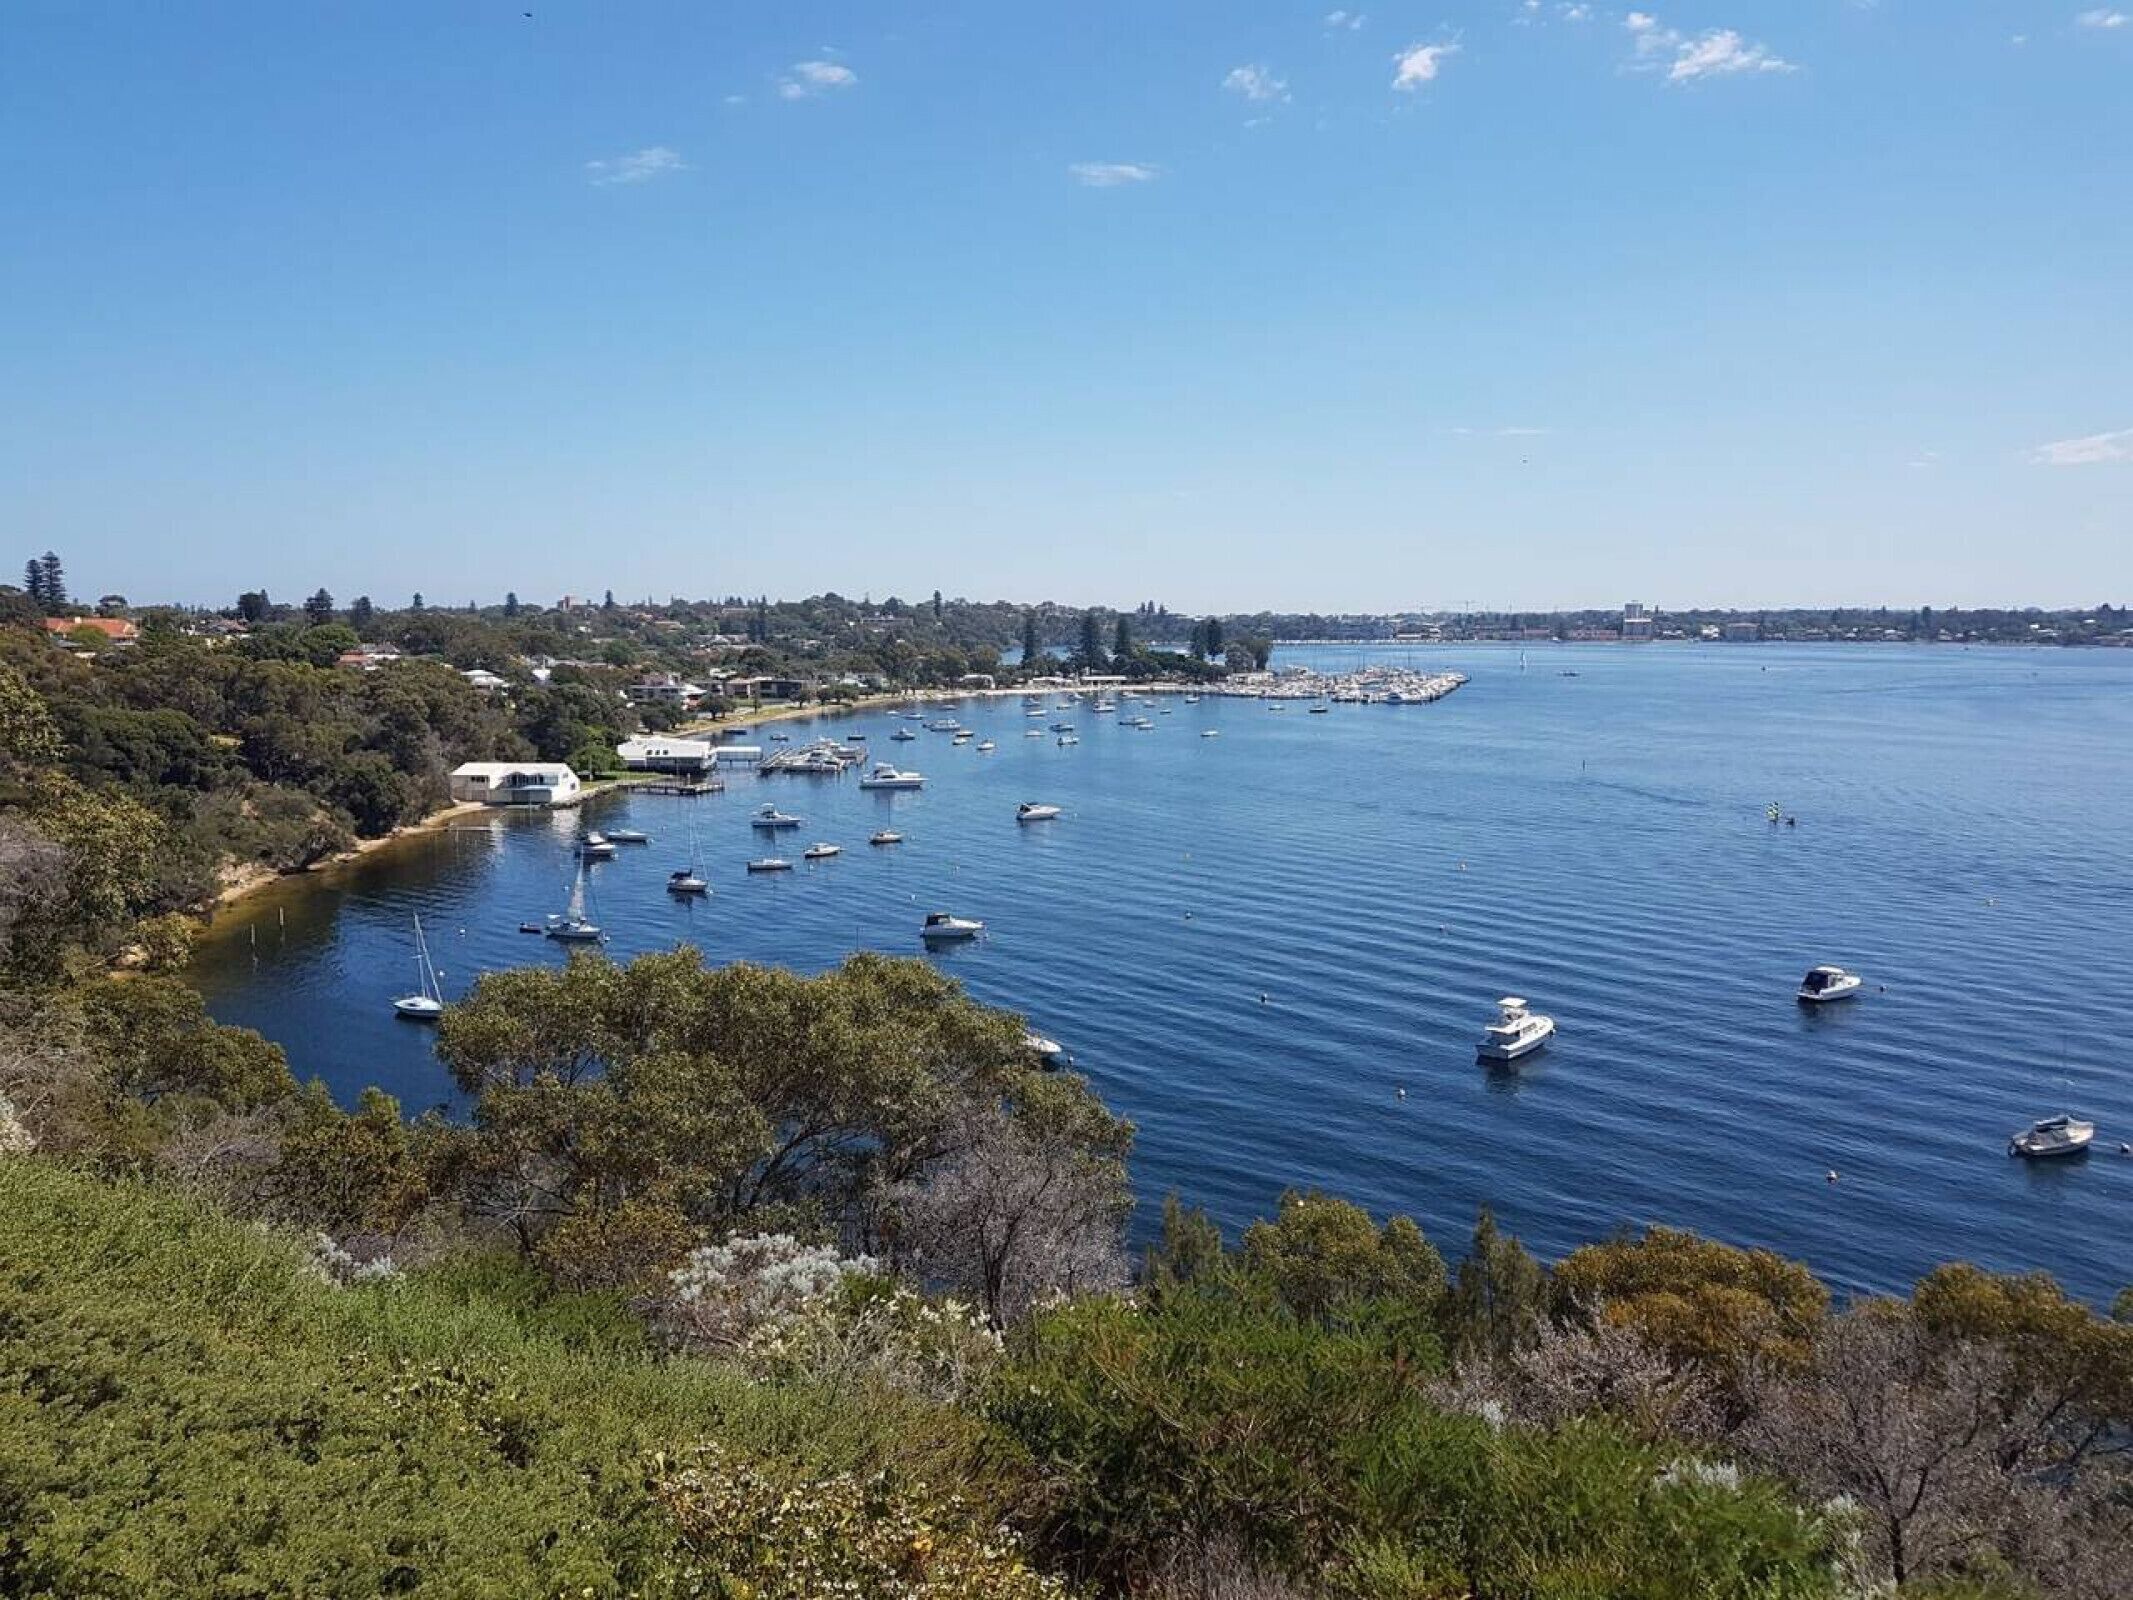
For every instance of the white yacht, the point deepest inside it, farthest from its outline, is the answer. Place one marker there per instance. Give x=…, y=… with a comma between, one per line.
x=1032, y=733
x=1192, y=699
x=1070, y=738
x=2063, y=1135
x=427, y=1003
x=941, y=927
x=944, y=725
x=887, y=776
x=628, y=836
x=770, y=864
x=1515, y=1032
x=985, y=745
x=574, y=926
x=771, y=817
x=1829, y=983
x=963, y=738
x=1032, y=811
x=596, y=846
x=686, y=880
x=1210, y=733
x=886, y=836
x=821, y=852
x=903, y=736
x=1103, y=707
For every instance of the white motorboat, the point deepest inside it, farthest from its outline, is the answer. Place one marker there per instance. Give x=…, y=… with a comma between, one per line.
x=944, y=725
x=985, y=745
x=1210, y=733
x=1829, y=983
x=963, y=738
x=628, y=836
x=1032, y=811
x=1062, y=727
x=1192, y=699
x=1032, y=733
x=1034, y=711
x=1070, y=738
x=1515, y=1032
x=821, y=852
x=941, y=928
x=772, y=817
x=596, y=846
x=903, y=735
x=1045, y=1050
x=574, y=926
x=886, y=836
x=2063, y=1135
x=770, y=864
x=887, y=776
x=1104, y=707
x=426, y=1004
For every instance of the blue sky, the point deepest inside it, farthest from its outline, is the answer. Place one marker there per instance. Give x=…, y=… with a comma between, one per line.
x=1227, y=303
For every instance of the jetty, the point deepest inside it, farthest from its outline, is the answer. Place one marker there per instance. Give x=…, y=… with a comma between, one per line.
x=819, y=757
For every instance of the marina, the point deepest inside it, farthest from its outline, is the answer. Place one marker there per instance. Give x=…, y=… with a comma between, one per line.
x=1381, y=876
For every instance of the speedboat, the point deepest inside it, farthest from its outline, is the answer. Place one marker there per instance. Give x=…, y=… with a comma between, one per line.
x=886, y=836
x=963, y=738
x=772, y=817
x=770, y=864
x=1032, y=733
x=1515, y=1032
x=941, y=928
x=1031, y=811
x=1828, y=983
x=1070, y=738
x=628, y=836
x=1192, y=699
x=986, y=744
x=2063, y=1135
x=887, y=776
x=427, y=1003
x=1034, y=711
x=944, y=725
x=1062, y=727
x=821, y=852
x=1103, y=706
x=903, y=735
x=781, y=738
x=686, y=881
x=595, y=847
x=1210, y=733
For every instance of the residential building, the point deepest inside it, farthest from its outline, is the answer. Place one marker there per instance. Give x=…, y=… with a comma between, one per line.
x=664, y=689
x=116, y=629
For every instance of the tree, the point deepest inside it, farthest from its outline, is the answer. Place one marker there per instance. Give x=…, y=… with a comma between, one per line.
x=1092, y=642
x=417, y=605
x=1214, y=639
x=319, y=608
x=33, y=581
x=1324, y=1259
x=936, y=605
x=111, y=605
x=55, y=583
x=608, y=602
x=360, y=611
x=1031, y=646
x=511, y=603
x=1499, y=1301
x=1122, y=642
x=252, y=605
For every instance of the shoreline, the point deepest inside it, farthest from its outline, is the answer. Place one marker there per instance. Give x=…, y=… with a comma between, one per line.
x=243, y=881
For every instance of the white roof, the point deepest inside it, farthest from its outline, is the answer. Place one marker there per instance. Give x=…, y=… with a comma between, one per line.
x=665, y=749
x=499, y=769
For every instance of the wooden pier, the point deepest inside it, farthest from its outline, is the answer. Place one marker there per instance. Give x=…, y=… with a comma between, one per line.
x=686, y=788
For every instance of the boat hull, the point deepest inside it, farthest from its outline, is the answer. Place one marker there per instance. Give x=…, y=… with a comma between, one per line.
x=418, y=1008
x=1514, y=1049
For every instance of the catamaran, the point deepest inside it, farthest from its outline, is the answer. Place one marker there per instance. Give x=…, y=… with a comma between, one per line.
x=427, y=1004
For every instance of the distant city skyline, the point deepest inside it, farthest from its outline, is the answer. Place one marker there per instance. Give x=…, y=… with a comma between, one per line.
x=1517, y=304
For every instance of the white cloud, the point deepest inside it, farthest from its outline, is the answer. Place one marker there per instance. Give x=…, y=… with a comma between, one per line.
x=1577, y=12
x=810, y=78
x=1714, y=53
x=1111, y=174
x=639, y=166
x=1256, y=83
x=1419, y=64
x=1503, y=433
x=1350, y=20
x=2091, y=451
x=2100, y=18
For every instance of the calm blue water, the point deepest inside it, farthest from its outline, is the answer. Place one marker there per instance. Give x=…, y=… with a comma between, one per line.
x=1380, y=875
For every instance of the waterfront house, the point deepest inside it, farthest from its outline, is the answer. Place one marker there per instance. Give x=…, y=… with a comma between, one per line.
x=692, y=757
x=515, y=783
x=664, y=689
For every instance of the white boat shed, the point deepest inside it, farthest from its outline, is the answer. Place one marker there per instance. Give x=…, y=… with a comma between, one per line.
x=515, y=783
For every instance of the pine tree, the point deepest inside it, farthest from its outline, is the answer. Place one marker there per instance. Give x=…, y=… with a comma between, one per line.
x=359, y=612
x=936, y=605
x=1092, y=642
x=511, y=603
x=608, y=604
x=33, y=580
x=1030, y=649
x=55, y=583
x=417, y=606
x=318, y=610
x=1122, y=641
x=252, y=605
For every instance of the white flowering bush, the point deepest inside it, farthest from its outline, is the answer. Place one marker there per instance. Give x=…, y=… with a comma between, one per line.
x=726, y=1294
x=341, y=1267
x=877, y=1331
x=15, y=1139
